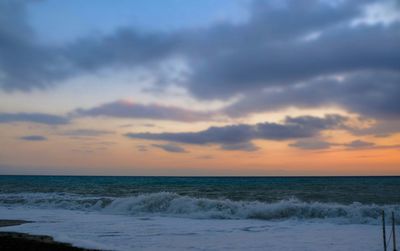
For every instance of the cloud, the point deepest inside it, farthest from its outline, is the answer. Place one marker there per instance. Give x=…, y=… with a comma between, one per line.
x=359, y=144
x=373, y=94
x=311, y=144
x=170, y=148
x=33, y=138
x=268, y=50
x=239, y=137
x=245, y=146
x=24, y=64
x=27, y=64
x=316, y=144
x=224, y=59
x=305, y=54
x=124, y=109
x=40, y=118
x=85, y=133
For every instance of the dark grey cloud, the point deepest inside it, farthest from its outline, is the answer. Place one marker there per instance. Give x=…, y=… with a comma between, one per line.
x=266, y=59
x=316, y=144
x=26, y=64
x=40, y=118
x=244, y=146
x=85, y=133
x=122, y=109
x=239, y=137
x=225, y=59
x=372, y=94
x=311, y=144
x=33, y=138
x=359, y=144
x=268, y=50
x=125, y=47
x=170, y=148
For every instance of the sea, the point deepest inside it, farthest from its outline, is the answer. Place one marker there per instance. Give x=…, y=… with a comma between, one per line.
x=204, y=213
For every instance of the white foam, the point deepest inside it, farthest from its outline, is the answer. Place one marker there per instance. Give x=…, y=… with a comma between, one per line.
x=172, y=204
x=120, y=232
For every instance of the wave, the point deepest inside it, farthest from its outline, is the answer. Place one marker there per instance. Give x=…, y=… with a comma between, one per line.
x=172, y=204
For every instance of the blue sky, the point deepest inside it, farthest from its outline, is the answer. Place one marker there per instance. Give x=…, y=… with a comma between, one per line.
x=61, y=21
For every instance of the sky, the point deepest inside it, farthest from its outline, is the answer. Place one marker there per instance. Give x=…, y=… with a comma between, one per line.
x=186, y=87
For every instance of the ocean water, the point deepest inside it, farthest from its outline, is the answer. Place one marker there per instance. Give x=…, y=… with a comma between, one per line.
x=203, y=213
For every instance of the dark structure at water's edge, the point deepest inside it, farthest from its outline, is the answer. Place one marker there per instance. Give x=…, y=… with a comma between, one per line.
x=12, y=241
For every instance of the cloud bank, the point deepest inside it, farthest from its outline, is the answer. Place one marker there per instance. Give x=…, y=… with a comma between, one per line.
x=373, y=94
x=125, y=109
x=239, y=137
x=40, y=118
x=33, y=138
x=170, y=148
x=290, y=53
x=281, y=44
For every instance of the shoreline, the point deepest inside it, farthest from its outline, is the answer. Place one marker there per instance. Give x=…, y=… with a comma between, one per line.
x=119, y=232
x=14, y=241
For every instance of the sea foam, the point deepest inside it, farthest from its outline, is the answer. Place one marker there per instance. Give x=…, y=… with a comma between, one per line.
x=175, y=205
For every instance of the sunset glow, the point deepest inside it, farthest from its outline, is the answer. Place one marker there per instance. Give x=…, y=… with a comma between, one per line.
x=140, y=88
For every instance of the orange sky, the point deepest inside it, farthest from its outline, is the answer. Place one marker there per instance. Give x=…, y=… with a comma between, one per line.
x=114, y=154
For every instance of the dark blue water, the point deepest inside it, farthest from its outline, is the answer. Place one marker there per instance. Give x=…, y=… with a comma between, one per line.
x=339, y=199
x=344, y=190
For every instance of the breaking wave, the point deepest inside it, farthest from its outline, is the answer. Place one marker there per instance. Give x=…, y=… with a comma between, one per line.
x=172, y=204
